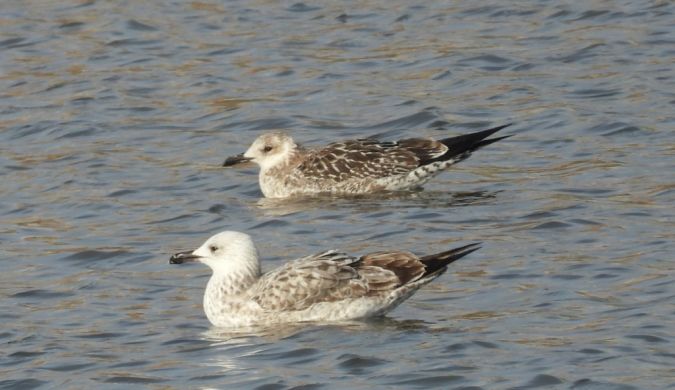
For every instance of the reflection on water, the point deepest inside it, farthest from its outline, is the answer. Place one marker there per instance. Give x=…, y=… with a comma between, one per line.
x=115, y=119
x=374, y=202
x=282, y=331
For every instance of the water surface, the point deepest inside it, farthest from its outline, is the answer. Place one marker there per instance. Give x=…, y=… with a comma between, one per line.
x=115, y=117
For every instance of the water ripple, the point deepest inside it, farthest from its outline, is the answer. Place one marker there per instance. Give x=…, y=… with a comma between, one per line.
x=115, y=120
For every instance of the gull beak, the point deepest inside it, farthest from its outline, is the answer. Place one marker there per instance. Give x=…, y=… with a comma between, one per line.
x=234, y=160
x=183, y=257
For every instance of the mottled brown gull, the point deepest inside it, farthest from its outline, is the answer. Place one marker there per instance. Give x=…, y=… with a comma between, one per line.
x=358, y=166
x=327, y=286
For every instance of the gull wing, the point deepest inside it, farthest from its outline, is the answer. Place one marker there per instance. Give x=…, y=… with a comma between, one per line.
x=333, y=276
x=369, y=158
x=324, y=277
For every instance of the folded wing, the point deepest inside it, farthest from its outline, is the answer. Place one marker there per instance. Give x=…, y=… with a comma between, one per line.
x=333, y=276
x=369, y=158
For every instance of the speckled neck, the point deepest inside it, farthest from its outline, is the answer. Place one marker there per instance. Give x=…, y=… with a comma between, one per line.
x=269, y=179
x=223, y=291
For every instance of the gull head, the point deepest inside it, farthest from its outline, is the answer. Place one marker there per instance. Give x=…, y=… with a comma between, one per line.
x=225, y=252
x=268, y=151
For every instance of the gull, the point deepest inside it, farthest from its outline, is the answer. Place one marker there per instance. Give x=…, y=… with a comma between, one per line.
x=326, y=286
x=360, y=166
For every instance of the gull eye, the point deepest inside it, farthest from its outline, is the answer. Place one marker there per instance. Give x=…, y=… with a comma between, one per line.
x=267, y=148
x=213, y=248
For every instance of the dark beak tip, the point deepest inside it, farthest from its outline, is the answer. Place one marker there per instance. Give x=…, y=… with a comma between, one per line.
x=234, y=160
x=183, y=257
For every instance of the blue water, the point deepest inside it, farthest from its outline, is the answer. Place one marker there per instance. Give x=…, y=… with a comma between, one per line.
x=116, y=116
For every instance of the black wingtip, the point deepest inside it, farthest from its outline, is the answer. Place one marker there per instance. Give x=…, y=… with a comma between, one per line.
x=496, y=129
x=479, y=135
x=487, y=142
x=463, y=145
x=458, y=253
x=441, y=260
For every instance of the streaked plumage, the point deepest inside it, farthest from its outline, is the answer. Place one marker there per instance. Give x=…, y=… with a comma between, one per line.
x=355, y=166
x=327, y=286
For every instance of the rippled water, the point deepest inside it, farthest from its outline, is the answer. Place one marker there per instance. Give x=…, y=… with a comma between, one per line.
x=115, y=117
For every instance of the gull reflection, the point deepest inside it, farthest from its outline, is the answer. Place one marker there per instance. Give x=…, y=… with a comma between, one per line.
x=277, y=332
x=271, y=207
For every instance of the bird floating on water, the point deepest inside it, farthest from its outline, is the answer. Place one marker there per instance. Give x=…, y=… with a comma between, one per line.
x=327, y=286
x=360, y=166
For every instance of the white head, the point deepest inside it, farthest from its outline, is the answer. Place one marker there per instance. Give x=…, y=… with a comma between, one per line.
x=268, y=151
x=226, y=252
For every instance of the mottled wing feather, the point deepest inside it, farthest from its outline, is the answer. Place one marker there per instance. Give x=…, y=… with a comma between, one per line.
x=424, y=149
x=368, y=158
x=379, y=280
x=404, y=265
x=333, y=276
x=324, y=277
